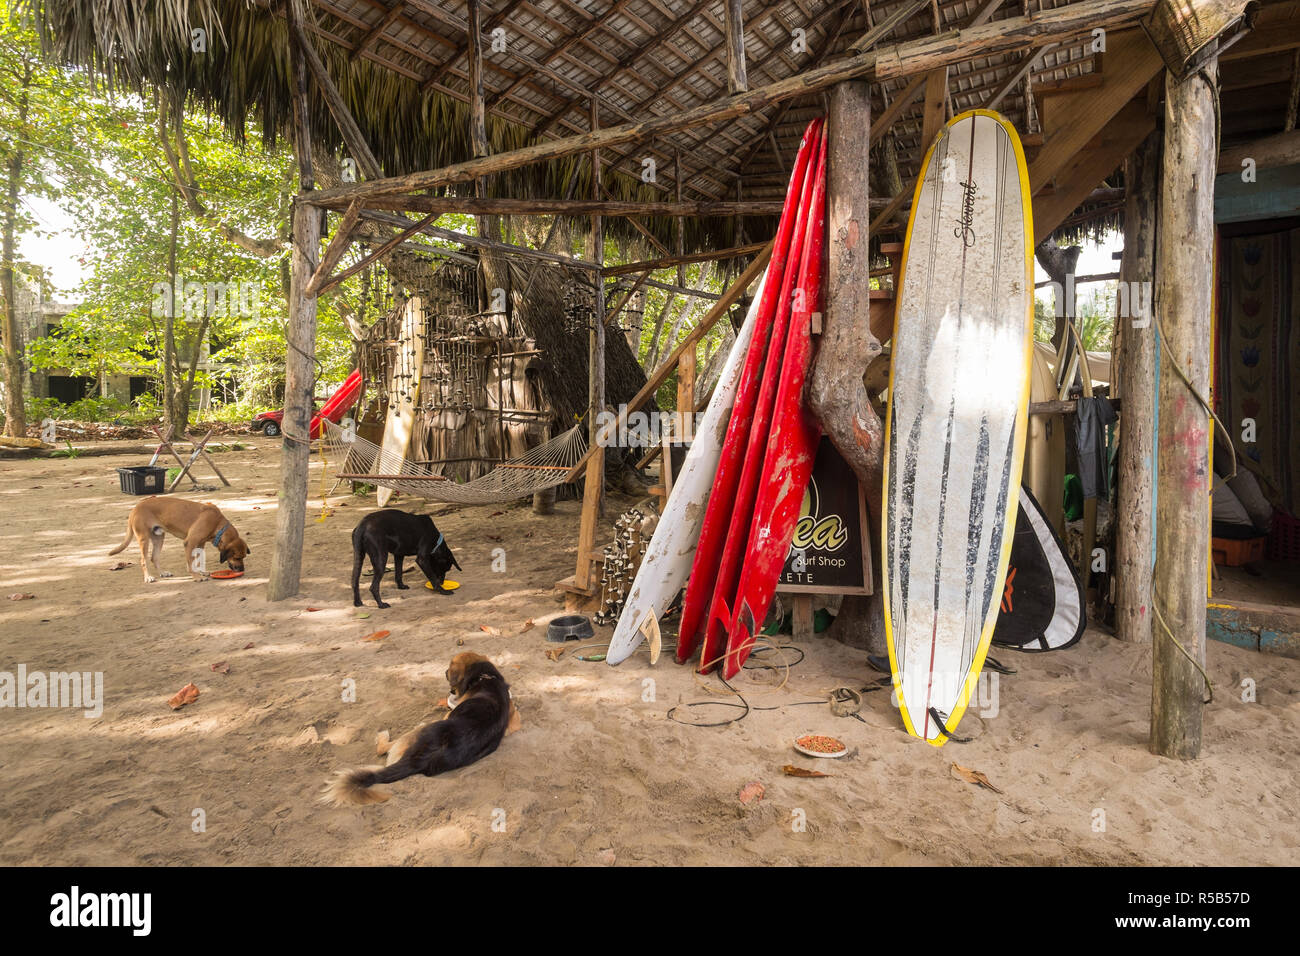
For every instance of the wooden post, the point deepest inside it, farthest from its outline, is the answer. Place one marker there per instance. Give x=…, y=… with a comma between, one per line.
x=737, y=80
x=686, y=369
x=1137, y=388
x=300, y=371
x=596, y=354
x=836, y=393
x=1184, y=285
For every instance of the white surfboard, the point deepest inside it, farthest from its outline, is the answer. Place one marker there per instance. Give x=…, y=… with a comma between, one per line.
x=668, y=556
x=958, y=411
x=403, y=397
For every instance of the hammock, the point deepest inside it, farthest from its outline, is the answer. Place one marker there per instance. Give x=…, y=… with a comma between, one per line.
x=540, y=468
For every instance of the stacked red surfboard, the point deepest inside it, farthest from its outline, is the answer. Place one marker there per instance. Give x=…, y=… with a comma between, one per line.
x=771, y=440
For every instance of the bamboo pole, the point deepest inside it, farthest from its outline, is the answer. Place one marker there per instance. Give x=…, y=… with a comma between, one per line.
x=902, y=59
x=286, y=562
x=1184, y=286
x=1137, y=386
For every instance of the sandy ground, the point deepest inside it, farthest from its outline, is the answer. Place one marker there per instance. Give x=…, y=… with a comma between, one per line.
x=598, y=774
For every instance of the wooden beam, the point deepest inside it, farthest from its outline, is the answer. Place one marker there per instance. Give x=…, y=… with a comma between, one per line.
x=902, y=59
x=338, y=109
x=334, y=251
x=1027, y=65
x=1183, y=296
x=379, y=253
x=737, y=78
x=376, y=31
x=712, y=256
x=286, y=560
x=1075, y=118
x=1136, y=386
x=1077, y=180
x=907, y=96
x=1281, y=149
x=625, y=298
x=887, y=25
x=657, y=377
x=936, y=106
x=612, y=208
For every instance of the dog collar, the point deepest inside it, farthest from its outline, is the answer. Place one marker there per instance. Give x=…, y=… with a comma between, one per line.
x=216, y=538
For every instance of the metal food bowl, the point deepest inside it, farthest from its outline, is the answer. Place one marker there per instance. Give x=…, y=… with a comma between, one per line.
x=572, y=627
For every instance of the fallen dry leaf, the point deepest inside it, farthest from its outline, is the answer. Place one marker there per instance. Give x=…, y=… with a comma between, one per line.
x=121, y=565
x=528, y=625
x=376, y=636
x=21, y=597
x=186, y=695
x=489, y=629
x=221, y=667
x=752, y=791
x=495, y=513
x=313, y=609
x=975, y=777
x=792, y=771
x=555, y=653
x=248, y=645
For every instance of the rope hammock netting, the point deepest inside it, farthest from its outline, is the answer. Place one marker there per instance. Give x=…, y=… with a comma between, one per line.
x=540, y=468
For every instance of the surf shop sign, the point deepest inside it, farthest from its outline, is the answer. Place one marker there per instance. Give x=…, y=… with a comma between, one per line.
x=829, y=552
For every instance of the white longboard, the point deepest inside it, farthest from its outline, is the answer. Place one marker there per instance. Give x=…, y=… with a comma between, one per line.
x=403, y=397
x=668, y=556
x=955, y=432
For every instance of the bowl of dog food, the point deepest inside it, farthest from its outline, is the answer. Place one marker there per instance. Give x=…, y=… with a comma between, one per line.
x=820, y=745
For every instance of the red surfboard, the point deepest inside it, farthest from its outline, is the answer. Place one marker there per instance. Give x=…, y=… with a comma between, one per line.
x=742, y=513
x=791, y=449
x=717, y=515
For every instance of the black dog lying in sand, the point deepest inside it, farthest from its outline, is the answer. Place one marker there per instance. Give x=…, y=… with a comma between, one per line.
x=402, y=535
x=483, y=714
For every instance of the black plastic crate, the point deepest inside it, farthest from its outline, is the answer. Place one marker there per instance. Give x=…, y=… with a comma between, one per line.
x=142, y=479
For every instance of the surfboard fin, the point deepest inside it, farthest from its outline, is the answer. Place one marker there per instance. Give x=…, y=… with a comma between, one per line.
x=649, y=629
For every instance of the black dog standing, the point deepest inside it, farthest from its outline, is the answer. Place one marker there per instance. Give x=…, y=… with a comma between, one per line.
x=386, y=532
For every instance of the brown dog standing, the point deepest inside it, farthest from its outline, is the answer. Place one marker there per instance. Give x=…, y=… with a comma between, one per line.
x=196, y=522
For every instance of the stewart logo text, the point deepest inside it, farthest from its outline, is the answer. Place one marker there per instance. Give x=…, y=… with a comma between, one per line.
x=965, y=230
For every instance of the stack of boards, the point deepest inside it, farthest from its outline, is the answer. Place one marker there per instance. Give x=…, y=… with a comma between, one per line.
x=751, y=458
x=955, y=434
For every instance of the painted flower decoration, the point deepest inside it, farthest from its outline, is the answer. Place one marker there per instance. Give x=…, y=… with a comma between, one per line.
x=1250, y=305
x=1252, y=453
x=1250, y=356
x=1251, y=254
x=1250, y=407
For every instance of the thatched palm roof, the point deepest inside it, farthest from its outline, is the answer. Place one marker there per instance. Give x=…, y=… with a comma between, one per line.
x=401, y=66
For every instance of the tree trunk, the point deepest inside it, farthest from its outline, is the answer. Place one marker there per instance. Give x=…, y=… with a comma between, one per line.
x=286, y=563
x=836, y=393
x=15, y=410
x=170, y=417
x=1137, y=378
x=1184, y=287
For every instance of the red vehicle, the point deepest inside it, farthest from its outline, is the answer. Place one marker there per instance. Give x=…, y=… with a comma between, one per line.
x=335, y=407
